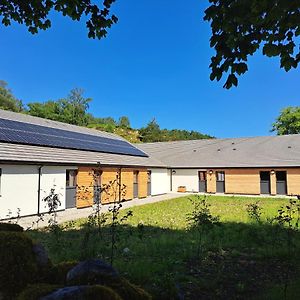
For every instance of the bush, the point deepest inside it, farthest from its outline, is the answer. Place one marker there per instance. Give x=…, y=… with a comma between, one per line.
x=17, y=262
x=57, y=273
x=36, y=291
x=10, y=227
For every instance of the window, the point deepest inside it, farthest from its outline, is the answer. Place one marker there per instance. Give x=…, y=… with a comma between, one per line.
x=220, y=176
x=71, y=178
x=149, y=176
x=135, y=176
x=202, y=176
x=265, y=176
x=97, y=177
x=281, y=176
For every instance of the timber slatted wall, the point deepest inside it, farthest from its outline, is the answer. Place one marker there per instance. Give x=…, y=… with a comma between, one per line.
x=85, y=190
x=109, y=178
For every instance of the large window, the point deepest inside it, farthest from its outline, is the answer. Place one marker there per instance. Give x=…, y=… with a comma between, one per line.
x=71, y=178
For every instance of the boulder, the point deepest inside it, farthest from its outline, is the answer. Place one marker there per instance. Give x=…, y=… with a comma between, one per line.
x=92, y=271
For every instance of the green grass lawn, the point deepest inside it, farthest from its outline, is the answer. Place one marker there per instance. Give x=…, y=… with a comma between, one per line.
x=239, y=258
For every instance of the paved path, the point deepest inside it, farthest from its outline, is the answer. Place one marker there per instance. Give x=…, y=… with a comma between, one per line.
x=74, y=213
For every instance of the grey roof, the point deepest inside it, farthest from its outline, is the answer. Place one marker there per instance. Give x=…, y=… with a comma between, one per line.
x=10, y=152
x=269, y=151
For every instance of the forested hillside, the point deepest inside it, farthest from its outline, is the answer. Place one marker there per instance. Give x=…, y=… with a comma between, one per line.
x=73, y=109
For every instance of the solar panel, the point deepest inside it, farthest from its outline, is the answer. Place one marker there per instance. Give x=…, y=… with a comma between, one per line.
x=31, y=134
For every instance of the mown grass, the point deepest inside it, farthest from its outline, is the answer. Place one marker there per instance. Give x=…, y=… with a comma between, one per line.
x=157, y=251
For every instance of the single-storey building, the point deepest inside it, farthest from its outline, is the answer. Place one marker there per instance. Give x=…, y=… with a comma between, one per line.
x=39, y=156
x=253, y=166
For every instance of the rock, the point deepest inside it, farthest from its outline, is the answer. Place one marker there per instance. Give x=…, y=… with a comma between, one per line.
x=93, y=271
x=82, y=293
x=41, y=255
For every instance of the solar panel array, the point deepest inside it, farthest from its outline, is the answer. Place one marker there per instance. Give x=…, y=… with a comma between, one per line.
x=31, y=134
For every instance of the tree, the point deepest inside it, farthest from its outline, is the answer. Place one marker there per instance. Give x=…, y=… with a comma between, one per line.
x=72, y=110
x=7, y=99
x=34, y=14
x=240, y=27
x=124, y=122
x=288, y=121
x=151, y=133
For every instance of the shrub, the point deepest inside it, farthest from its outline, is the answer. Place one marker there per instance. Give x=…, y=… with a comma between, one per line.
x=36, y=291
x=57, y=273
x=10, y=227
x=17, y=262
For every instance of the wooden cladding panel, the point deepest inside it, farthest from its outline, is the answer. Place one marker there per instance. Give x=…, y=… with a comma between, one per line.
x=242, y=181
x=211, y=182
x=127, y=181
x=108, y=178
x=143, y=186
x=85, y=191
x=293, y=182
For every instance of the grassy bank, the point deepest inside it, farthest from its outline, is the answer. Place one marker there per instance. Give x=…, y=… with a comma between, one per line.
x=156, y=250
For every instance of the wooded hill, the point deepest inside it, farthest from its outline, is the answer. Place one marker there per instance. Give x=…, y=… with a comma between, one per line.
x=73, y=109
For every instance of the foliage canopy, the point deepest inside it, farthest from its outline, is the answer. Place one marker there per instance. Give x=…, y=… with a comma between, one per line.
x=288, y=122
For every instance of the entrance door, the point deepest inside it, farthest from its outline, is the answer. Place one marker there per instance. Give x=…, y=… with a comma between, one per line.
x=97, y=186
x=202, y=182
x=135, y=184
x=149, y=183
x=220, y=176
x=281, y=183
x=71, y=182
x=265, y=186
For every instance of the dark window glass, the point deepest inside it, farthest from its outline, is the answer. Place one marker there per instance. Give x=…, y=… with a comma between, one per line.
x=97, y=177
x=71, y=178
x=265, y=176
x=281, y=176
x=135, y=176
x=220, y=176
x=149, y=176
x=202, y=176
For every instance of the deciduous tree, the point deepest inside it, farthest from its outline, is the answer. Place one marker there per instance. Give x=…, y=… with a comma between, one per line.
x=288, y=122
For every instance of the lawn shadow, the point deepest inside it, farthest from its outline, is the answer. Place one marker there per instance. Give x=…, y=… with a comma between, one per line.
x=237, y=260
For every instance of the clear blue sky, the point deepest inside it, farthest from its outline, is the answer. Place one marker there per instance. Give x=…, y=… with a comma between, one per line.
x=153, y=63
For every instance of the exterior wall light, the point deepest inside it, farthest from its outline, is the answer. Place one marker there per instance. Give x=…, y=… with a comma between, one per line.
x=173, y=172
x=210, y=172
x=272, y=172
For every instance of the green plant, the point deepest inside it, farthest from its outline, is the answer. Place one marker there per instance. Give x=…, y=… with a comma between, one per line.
x=254, y=211
x=18, y=266
x=201, y=219
x=10, y=227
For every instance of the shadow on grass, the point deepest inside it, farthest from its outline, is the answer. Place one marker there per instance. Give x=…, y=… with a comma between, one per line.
x=237, y=260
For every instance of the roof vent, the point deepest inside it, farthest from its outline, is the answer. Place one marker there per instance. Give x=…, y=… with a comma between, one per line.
x=194, y=150
x=232, y=143
x=289, y=147
x=219, y=150
x=234, y=149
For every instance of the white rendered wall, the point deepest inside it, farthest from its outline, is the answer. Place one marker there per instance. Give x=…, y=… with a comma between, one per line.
x=185, y=177
x=19, y=189
x=53, y=177
x=160, y=181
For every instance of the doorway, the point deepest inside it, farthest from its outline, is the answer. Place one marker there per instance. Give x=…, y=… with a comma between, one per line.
x=281, y=186
x=265, y=183
x=220, y=177
x=71, y=183
x=135, y=184
x=202, y=181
